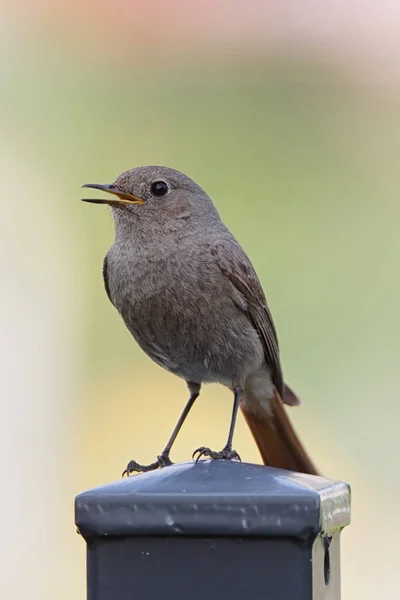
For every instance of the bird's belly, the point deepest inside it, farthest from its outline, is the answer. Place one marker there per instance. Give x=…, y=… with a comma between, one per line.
x=183, y=314
x=188, y=337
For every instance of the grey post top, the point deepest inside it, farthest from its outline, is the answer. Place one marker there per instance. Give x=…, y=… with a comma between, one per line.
x=215, y=498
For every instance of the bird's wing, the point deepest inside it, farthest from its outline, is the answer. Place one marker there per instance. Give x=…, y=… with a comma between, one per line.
x=234, y=263
x=105, y=278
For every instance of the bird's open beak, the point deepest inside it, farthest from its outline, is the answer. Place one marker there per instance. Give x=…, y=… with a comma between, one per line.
x=112, y=188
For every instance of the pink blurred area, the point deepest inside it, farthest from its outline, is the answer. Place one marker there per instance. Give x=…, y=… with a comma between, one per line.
x=361, y=37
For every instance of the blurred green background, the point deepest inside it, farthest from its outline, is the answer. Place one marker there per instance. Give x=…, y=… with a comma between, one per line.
x=295, y=136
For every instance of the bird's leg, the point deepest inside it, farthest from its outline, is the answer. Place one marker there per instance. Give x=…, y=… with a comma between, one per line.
x=163, y=459
x=227, y=452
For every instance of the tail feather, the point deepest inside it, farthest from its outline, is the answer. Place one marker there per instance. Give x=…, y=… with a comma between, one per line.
x=276, y=438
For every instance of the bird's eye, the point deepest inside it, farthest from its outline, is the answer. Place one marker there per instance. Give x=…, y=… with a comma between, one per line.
x=159, y=188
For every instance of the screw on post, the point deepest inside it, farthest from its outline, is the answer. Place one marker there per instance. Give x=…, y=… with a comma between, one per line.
x=214, y=530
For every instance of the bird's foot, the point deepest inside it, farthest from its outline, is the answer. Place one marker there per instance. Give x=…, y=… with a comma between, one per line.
x=133, y=467
x=226, y=454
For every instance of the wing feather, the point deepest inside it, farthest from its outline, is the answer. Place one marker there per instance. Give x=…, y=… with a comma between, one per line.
x=234, y=263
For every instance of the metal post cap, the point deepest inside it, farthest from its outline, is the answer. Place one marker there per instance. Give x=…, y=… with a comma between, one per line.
x=215, y=498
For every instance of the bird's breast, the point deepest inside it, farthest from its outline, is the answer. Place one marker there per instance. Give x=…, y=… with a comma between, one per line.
x=180, y=310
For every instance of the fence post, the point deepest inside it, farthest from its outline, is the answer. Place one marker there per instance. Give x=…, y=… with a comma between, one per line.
x=214, y=530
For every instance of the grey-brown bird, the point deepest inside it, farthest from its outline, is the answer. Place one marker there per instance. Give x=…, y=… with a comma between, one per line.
x=190, y=297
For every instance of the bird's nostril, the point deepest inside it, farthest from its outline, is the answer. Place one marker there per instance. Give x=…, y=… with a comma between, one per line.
x=112, y=187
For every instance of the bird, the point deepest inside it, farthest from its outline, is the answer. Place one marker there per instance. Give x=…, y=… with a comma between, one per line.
x=191, y=299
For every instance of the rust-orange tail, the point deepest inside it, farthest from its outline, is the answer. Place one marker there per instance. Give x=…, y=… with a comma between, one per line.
x=276, y=439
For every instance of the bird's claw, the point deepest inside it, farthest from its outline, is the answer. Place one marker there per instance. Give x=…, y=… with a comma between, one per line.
x=133, y=467
x=225, y=454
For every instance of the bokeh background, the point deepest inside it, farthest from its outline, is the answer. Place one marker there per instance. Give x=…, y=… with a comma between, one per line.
x=288, y=114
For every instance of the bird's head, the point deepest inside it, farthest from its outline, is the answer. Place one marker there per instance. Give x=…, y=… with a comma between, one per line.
x=154, y=193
